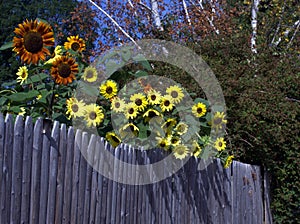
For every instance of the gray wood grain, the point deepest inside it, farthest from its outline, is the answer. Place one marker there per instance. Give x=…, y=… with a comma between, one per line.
x=2, y=138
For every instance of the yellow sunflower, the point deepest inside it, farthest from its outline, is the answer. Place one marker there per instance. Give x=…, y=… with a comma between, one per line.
x=196, y=149
x=93, y=115
x=131, y=111
x=129, y=131
x=117, y=104
x=139, y=100
x=176, y=93
x=22, y=74
x=180, y=151
x=169, y=125
x=218, y=121
x=75, y=43
x=199, y=109
x=228, y=161
x=108, y=89
x=90, y=74
x=63, y=70
x=153, y=97
x=220, y=144
x=57, y=54
x=163, y=142
x=181, y=128
x=175, y=140
x=32, y=38
x=75, y=108
x=151, y=113
x=166, y=103
x=113, y=139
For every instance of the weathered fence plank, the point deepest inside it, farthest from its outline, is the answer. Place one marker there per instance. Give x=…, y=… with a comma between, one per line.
x=67, y=195
x=45, y=178
x=53, y=163
x=16, y=182
x=26, y=175
x=61, y=173
x=36, y=172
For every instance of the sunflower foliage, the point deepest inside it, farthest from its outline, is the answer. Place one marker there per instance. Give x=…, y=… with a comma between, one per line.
x=126, y=106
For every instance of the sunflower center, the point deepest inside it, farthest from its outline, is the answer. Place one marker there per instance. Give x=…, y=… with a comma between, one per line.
x=174, y=141
x=89, y=74
x=217, y=121
x=153, y=97
x=138, y=102
x=199, y=110
x=75, y=46
x=92, y=115
x=180, y=151
x=152, y=114
x=167, y=103
x=131, y=111
x=220, y=144
x=23, y=75
x=64, y=70
x=109, y=90
x=115, y=139
x=33, y=42
x=75, y=108
x=117, y=105
x=174, y=94
x=162, y=144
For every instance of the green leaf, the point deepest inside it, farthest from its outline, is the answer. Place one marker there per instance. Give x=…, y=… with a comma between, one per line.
x=6, y=46
x=21, y=97
x=37, y=78
x=140, y=74
x=88, y=89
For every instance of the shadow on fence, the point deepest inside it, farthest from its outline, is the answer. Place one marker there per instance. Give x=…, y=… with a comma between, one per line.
x=45, y=179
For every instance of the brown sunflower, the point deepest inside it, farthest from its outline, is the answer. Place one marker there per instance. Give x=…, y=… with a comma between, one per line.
x=63, y=70
x=75, y=43
x=32, y=37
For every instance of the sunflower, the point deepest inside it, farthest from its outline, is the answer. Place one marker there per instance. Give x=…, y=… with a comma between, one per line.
x=163, y=142
x=153, y=97
x=57, y=54
x=129, y=131
x=175, y=140
x=22, y=74
x=196, y=149
x=63, y=70
x=220, y=144
x=90, y=74
x=75, y=108
x=118, y=104
x=218, y=121
x=228, y=161
x=131, y=111
x=108, y=89
x=166, y=103
x=93, y=115
x=139, y=100
x=199, y=109
x=181, y=128
x=181, y=151
x=75, y=43
x=33, y=37
x=169, y=125
x=176, y=93
x=151, y=113
x=113, y=139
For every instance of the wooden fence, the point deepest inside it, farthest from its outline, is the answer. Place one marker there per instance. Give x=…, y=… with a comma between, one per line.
x=45, y=179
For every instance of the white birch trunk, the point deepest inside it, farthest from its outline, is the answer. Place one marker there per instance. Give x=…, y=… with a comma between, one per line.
x=155, y=13
x=254, y=12
x=186, y=12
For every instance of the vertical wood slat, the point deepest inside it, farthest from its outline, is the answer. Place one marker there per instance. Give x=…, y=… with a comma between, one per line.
x=2, y=176
x=82, y=178
x=36, y=171
x=26, y=175
x=53, y=166
x=75, y=181
x=61, y=173
x=67, y=194
x=16, y=182
x=6, y=170
x=44, y=181
x=88, y=186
